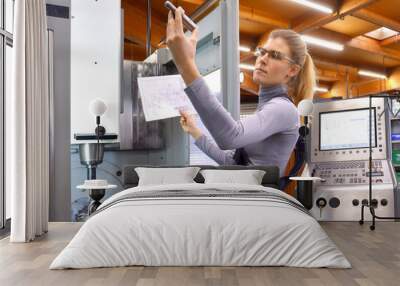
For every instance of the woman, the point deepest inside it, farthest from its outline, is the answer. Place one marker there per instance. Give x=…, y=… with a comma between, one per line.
x=285, y=72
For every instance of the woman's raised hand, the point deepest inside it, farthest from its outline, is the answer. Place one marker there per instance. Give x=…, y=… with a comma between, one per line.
x=183, y=49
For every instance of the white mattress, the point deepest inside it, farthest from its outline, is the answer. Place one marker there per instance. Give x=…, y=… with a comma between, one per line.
x=206, y=231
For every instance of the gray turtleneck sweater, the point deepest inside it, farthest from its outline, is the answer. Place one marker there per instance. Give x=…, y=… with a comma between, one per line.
x=268, y=136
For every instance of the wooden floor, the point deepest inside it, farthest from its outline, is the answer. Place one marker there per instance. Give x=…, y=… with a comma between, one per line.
x=375, y=257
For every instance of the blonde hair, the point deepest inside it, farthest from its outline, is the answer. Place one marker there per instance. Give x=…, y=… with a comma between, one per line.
x=302, y=85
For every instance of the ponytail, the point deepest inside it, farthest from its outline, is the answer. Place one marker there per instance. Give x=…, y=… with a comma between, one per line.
x=304, y=82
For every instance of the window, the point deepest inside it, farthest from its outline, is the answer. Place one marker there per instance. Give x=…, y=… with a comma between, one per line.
x=6, y=44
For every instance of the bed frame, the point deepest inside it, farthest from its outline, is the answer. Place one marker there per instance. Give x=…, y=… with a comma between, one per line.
x=270, y=179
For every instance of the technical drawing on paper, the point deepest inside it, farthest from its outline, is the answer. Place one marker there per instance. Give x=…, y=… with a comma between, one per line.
x=163, y=96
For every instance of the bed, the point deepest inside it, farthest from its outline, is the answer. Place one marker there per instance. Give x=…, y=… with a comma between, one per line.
x=198, y=224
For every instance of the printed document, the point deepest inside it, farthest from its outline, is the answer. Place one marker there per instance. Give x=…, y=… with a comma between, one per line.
x=163, y=97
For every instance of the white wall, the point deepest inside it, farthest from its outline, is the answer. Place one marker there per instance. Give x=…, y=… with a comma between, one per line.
x=96, y=42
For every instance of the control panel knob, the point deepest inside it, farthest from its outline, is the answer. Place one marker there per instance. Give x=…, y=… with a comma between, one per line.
x=321, y=202
x=334, y=202
x=374, y=203
x=384, y=202
x=355, y=202
x=364, y=202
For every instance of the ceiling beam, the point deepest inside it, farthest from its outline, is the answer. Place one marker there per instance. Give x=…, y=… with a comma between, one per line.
x=258, y=16
x=373, y=46
x=390, y=41
x=329, y=75
x=341, y=68
x=307, y=22
x=361, y=42
x=322, y=63
x=377, y=19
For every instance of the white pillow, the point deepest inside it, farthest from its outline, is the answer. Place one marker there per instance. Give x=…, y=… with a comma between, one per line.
x=163, y=176
x=249, y=177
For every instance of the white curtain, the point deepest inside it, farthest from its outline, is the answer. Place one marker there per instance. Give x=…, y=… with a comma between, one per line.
x=27, y=124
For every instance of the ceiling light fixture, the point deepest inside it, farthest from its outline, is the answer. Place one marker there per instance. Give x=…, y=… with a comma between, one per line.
x=247, y=67
x=314, y=5
x=372, y=74
x=244, y=49
x=320, y=89
x=323, y=43
x=241, y=77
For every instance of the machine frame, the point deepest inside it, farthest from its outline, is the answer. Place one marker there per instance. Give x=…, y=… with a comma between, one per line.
x=369, y=205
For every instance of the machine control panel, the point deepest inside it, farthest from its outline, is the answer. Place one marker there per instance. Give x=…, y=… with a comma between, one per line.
x=343, y=132
x=353, y=172
x=344, y=190
x=344, y=204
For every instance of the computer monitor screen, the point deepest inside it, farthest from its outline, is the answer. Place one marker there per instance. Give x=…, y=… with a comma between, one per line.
x=346, y=129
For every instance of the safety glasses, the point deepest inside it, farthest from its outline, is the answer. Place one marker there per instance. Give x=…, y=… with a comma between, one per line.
x=272, y=54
